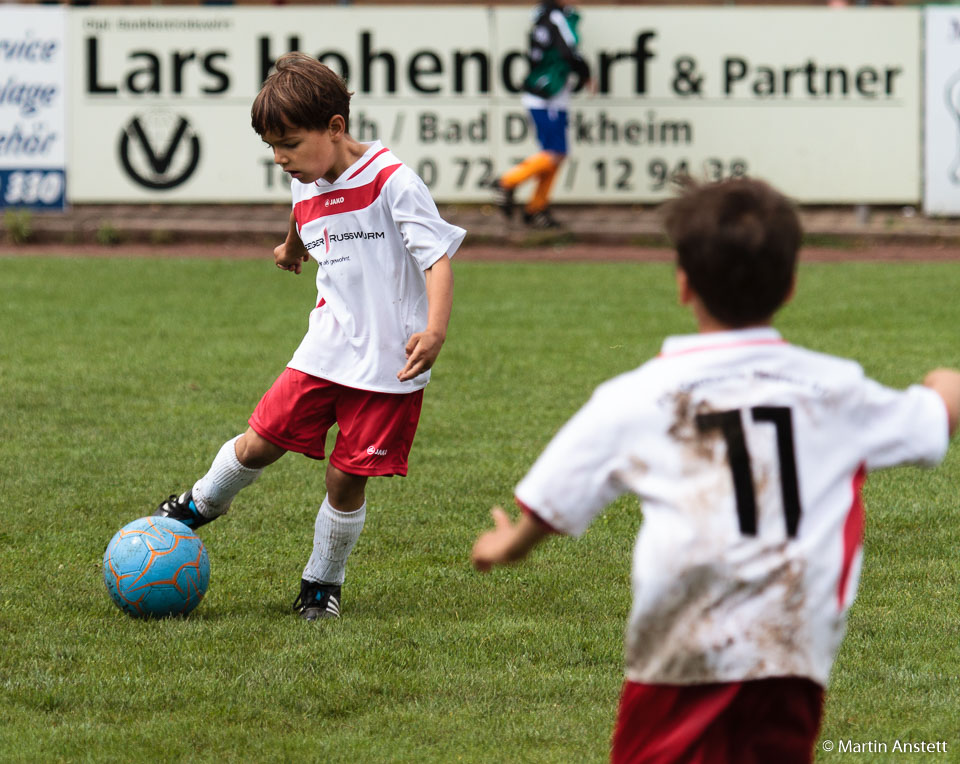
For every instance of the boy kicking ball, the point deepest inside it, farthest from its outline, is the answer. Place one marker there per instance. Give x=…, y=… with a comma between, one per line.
x=749, y=455
x=384, y=296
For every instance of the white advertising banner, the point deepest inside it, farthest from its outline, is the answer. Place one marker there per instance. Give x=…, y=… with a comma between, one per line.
x=941, y=194
x=824, y=103
x=32, y=106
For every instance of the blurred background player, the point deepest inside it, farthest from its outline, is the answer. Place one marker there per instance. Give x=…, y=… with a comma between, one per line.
x=553, y=58
x=384, y=296
x=749, y=455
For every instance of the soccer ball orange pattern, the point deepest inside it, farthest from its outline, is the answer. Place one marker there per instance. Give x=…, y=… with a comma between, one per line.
x=155, y=567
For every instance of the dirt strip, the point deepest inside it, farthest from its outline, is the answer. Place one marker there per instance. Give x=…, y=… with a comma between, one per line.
x=493, y=253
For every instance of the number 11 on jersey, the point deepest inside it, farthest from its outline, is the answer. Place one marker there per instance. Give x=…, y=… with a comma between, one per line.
x=730, y=424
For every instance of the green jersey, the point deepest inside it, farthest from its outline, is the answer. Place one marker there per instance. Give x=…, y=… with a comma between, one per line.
x=553, y=51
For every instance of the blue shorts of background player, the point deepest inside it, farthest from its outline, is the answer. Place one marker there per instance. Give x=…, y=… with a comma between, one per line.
x=551, y=125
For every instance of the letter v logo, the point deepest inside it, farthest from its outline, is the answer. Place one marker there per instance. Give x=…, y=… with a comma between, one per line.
x=159, y=151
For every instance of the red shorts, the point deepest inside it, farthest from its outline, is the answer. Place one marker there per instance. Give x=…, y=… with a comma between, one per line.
x=376, y=429
x=755, y=722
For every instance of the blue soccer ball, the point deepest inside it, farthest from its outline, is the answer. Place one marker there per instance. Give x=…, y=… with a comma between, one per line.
x=155, y=567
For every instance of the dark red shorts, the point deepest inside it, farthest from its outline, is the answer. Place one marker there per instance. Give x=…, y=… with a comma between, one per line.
x=376, y=429
x=756, y=722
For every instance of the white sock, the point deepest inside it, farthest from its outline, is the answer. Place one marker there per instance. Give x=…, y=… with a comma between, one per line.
x=214, y=492
x=334, y=535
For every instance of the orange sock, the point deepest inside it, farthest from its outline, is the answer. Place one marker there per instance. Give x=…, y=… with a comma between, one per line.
x=537, y=164
x=541, y=195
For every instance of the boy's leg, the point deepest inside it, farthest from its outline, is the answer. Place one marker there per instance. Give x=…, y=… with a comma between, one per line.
x=337, y=528
x=536, y=214
x=552, y=134
x=376, y=432
x=274, y=429
x=255, y=452
x=533, y=166
x=238, y=464
x=541, y=194
x=345, y=490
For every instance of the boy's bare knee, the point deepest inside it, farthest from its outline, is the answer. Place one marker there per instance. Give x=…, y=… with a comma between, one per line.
x=256, y=452
x=345, y=491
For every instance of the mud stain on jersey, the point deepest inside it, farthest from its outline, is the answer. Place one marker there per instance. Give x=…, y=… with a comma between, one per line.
x=658, y=636
x=781, y=634
x=736, y=605
x=704, y=465
x=707, y=629
x=636, y=469
x=698, y=444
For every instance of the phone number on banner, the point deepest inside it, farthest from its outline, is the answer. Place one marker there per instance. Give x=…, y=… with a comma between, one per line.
x=617, y=176
x=33, y=188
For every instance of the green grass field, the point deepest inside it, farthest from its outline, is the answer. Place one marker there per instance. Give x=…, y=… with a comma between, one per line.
x=119, y=380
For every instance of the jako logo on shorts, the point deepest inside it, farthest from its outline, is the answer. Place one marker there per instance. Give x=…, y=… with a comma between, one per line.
x=374, y=451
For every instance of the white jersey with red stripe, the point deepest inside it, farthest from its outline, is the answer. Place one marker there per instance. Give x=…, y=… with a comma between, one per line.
x=373, y=233
x=748, y=455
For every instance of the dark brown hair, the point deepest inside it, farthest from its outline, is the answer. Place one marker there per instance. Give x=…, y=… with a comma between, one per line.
x=301, y=93
x=737, y=241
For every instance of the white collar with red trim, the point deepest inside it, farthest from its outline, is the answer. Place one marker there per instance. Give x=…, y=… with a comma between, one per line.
x=373, y=149
x=691, y=343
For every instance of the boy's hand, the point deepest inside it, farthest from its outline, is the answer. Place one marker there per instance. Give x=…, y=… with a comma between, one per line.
x=946, y=382
x=290, y=258
x=507, y=542
x=491, y=547
x=422, y=350
x=423, y=347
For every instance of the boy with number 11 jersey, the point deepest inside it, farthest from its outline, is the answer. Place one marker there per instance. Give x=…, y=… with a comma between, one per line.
x=749, y=455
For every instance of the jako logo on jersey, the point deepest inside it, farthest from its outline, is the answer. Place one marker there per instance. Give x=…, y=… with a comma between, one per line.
x=329, y=202
x=374, y=451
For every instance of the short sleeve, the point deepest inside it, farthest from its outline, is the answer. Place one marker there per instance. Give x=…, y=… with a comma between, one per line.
x=574, y=478
x=426, y=235
x=902, y=426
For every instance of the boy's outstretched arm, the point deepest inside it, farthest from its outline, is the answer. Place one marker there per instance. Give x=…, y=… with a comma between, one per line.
x=507, y=542
x=291, y=254
x=423, y=347
x=946, y=382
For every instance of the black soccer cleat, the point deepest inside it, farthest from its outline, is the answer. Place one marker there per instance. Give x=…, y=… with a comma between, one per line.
x=183, y=509
x=541, y=221
x=317, y=601
x=503, y=197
